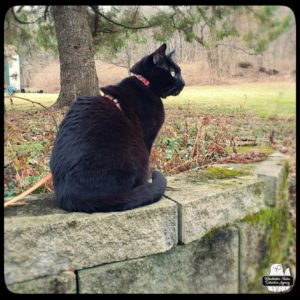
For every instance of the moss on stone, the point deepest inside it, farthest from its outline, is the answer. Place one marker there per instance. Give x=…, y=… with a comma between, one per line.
x=257, y=149
x=224, y=184
x=283, y=187
x=221, y=173
x=278, y=253
x=247, y=167
x=213, y=173
x=210, y=234
x=262, y=216
x=274, y=218
x=275, y=242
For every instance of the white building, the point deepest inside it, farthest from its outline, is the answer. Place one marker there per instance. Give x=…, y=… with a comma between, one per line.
x=13, y=72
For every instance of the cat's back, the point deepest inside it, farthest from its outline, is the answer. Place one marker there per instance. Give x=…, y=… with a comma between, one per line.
x=92, y=124
x=87, y=114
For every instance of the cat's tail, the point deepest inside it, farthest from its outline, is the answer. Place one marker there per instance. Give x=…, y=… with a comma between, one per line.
x=139, y=196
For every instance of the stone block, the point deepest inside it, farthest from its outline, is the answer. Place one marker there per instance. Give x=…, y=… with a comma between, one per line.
x=41, y=239
x=273, y=171
x=63, y=283
x=206, y=266
x=213, y=203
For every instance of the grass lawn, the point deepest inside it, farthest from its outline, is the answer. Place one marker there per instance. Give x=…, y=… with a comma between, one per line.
x=263, y=99
x=22, y=105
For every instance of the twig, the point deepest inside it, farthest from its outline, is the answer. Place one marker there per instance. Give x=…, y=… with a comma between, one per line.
x=34, y=102
x=196, y=144
x=30, y=101
x=135, y=15
x=238, y=48
x=182, y=166
x=29, y=191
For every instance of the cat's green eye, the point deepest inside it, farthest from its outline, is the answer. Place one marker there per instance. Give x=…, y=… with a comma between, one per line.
x=173, y=73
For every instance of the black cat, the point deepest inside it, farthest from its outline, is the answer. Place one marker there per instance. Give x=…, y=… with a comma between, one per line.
x=100, y=157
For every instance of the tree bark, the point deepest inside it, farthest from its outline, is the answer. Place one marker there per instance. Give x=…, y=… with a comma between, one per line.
x=78, y=75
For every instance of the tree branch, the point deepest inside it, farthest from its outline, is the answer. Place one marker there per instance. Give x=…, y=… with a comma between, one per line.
x=238, y=48
x=96, y=10
x=46, y=12
x=135, y=15
x=25, y=22
x=20, y=8
x=197, y=38
x=107, y=31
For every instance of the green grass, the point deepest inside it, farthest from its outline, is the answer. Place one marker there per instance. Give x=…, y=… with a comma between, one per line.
x=23, y=105
x=263, y=99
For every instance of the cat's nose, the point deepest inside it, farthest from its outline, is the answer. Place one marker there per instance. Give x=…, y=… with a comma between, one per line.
x=181, y=81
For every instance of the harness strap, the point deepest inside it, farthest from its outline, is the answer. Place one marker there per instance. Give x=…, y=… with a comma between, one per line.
x=115, y=100
x=111, y=98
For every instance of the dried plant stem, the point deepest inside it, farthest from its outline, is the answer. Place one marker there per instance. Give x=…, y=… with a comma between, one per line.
x=29, y=191
x=183, y=166
x=196, y=143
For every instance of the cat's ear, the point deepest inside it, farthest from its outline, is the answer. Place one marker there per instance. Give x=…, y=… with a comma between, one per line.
x=159, y=53
x=171, y=53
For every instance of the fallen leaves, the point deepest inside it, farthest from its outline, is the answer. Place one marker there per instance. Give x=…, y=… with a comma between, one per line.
x=28, y=141
x=187, y=140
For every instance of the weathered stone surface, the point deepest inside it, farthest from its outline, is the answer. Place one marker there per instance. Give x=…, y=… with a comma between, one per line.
x=253, y=254
x=213, y=203
x=273, y=171
x=264, y=240
x=206, y=266
x=133, y=251
x=40, y=239
x=64, y=283
x=265, y=236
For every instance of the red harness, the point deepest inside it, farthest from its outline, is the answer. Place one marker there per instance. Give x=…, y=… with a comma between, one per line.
x=115, y=100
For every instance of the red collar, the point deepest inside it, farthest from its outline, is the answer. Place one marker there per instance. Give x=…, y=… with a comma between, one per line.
x=142, y=79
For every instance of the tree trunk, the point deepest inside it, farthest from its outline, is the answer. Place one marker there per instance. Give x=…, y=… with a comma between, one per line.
x=78, y=75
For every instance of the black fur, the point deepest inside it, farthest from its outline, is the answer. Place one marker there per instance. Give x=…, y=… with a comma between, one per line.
x=100, y=158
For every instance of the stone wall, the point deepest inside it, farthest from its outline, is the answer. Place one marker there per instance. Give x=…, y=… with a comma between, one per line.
x=219, y=231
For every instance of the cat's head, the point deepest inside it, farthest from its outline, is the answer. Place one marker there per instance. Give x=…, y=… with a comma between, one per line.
x=162, y=72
